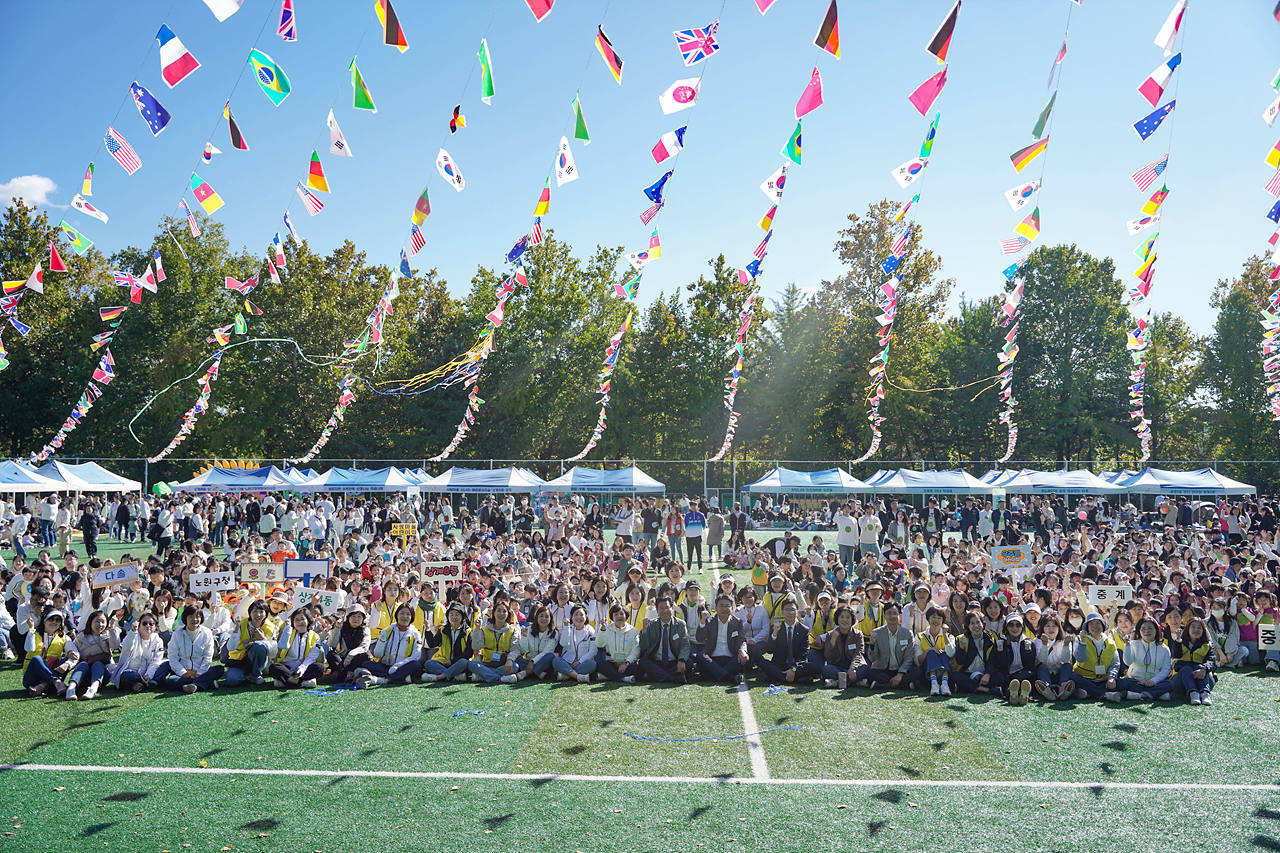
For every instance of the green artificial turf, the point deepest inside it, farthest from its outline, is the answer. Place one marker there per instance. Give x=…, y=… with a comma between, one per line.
x=46, y=810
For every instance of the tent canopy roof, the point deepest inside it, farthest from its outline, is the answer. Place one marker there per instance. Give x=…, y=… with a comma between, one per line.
x=621, y=481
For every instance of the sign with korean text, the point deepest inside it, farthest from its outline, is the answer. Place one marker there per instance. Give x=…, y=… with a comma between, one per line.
x=115, y=575
x=440, y=574
x=210, y=581
x=329, y=600
x=1101, y=594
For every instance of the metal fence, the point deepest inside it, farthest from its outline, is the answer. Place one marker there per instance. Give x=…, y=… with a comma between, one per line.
x=703, y=477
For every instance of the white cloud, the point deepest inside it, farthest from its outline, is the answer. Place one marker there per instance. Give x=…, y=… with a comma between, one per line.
x=34, y=189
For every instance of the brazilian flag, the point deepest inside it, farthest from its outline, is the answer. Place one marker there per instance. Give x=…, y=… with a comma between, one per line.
x=270, y=77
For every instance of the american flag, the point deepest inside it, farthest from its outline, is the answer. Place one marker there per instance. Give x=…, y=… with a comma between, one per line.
x=1146, y=176
x=313, y=204
x=648, y=215
x=1273, y=185
x=763, y=247
x=191, y=219
x=899, y=244
x=535, y=236
x=122, y=151
x=416, y=240
x=697, y=44
x=1013, y=246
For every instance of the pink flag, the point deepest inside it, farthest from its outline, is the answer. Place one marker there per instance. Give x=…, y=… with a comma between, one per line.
x=923, y=97
x=763, y=5
x=812, y=97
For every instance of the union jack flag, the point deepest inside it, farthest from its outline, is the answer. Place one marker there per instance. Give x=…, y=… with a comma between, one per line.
x=416, y=240
x=697, y=44
x=125, y=279
x=535, y=236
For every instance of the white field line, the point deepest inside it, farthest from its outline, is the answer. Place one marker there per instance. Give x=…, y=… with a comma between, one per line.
x=755, y=748
x=687, y=780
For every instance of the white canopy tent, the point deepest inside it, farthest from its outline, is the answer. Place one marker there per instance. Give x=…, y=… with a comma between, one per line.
x=20, y=478
x=101, y=478
x=908, y=482
x=1204, y=481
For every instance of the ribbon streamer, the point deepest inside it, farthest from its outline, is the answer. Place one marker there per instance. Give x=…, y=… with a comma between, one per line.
x=606, y=371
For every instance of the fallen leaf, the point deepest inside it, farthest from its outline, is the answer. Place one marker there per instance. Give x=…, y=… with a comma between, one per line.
x=263, y=835
x=456, y=788
x=137, y=814
x=488, y=832
x=617, y=811
x=204, y=764
x=914, y=805
x=430, y=738
x=608, y=755
x=121, y=754
x=228, y=847
x=842, y=806
x=63, y=788
x=480, y=749
x=731, y=840
x=17, y=825
x=742, y=818
x=671, y=820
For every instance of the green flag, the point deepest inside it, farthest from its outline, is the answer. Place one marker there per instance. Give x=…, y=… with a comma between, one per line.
x=579, y=123
x=270, y=77
x=79, y=242
x=1144, y=248
x=926, y=147
x=360, y=97
x=792, y=149
x=1044, y=116
x=242, y=328
x=486, y=73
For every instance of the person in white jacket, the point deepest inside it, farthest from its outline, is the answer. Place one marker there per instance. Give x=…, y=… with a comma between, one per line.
x=395, y=653
x=537, y=646
x=141, y=656
x=297, y=660
x=619, y=648
x=191, y=655
x=1150, y=664
x=577, y=648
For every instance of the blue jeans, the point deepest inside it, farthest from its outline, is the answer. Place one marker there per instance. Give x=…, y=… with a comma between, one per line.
x=128, y=678
x=847, y=558
x=38, y=672
x=1188, y=683
x=677, y=549
x=252, y=666
x=1087, y=686
x=968, y=682
x=609, y=671
x=1160, y=688
x=456, y=668
x=173, y=681
x=817, y=659
x=1054, y=679
x=586, y=666
x=489, y=674
x=934, y=661
x=540, y=665
x=46, y=533
x=97, y=672
x=400, y=672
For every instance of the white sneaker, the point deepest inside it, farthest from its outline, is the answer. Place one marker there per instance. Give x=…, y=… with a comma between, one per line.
x=508, y=679
x=189, y=688
x=1194, y=697
x=462, y=676
x=1273, y=666
x=628, y=679
x=8, y=655
x=380, y=680
x=560, y=676
x=934, y=689
x=946, y=687
x=259, y=680
x=583, y=678
x=1133, y=697
x=843, y=681
x=1111, y=696
x=91, y=691
x=278, y=683
x=1206, y=698
x=309, y=684
x=831, y=682
x=521, y=675
x=71, y=694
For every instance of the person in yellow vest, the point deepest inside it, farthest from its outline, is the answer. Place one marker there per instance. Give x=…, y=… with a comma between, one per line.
x=777, y=595
x=871, y=613
x=494, y=645
x=297, y=662
x=395, y=653
x=824, y=621
x=429, y=614
x=382, y=613
x=255, y=646
x=934, y=650
x=1097, y=661
x=1195, y=659
x=452, y=644
x=50, y=654
x=637, y=608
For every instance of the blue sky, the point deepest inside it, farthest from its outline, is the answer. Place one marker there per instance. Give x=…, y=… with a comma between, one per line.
x=1000, y=58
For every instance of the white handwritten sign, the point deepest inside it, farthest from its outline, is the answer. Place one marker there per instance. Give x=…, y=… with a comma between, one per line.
x=1107, y=595
x=209, y=581
x=441, y=573
x=115, y=575
x=329, y=600
x=1268, y=638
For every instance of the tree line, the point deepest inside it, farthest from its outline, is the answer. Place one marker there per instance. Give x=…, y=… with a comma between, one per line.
x=801, y=396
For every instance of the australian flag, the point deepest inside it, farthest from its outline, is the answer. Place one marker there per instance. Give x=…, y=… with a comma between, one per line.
x=654, y=192
x=1148, y=125
x=151, y=110
x=518, y=249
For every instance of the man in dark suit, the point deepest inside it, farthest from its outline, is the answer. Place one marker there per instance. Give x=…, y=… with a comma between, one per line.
x=789, y=647
x=664, y=645
x=724, y=645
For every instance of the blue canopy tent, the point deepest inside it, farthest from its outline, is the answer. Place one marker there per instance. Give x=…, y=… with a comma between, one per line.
x=592, y=480
x=785, y=481
x=20, y=478
x=459, y=480
x=65, y=477
x=92, y=472
x=908, y=482
x=269, y=479
x=1204, y=481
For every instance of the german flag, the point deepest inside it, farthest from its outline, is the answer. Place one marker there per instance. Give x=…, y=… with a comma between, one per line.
x=112, y=312
x=392, y=33
x=611, y=58
x=237, y=138
x=828, y=37
x=941, y=41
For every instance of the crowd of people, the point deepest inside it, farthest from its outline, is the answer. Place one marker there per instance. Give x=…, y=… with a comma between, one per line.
x=573, y=591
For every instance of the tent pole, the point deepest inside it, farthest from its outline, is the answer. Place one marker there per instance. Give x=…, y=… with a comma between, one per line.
x=146, y=471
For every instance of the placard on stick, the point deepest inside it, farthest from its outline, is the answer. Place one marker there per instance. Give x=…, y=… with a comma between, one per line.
x=262, y=572
x=440, y=573
x=1268, y=638
x=115, y=575
x=1106, y=595
x=210, y=581
x=404, y=529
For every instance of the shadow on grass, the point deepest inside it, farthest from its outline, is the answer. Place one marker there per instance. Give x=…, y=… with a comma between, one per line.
x=95, y=828
x=498, y=820
x=127, y=797
x=264, y=825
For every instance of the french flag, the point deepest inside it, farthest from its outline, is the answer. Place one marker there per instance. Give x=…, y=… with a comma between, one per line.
x=669, y=145
x=1153, y=87
x=176, y=62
